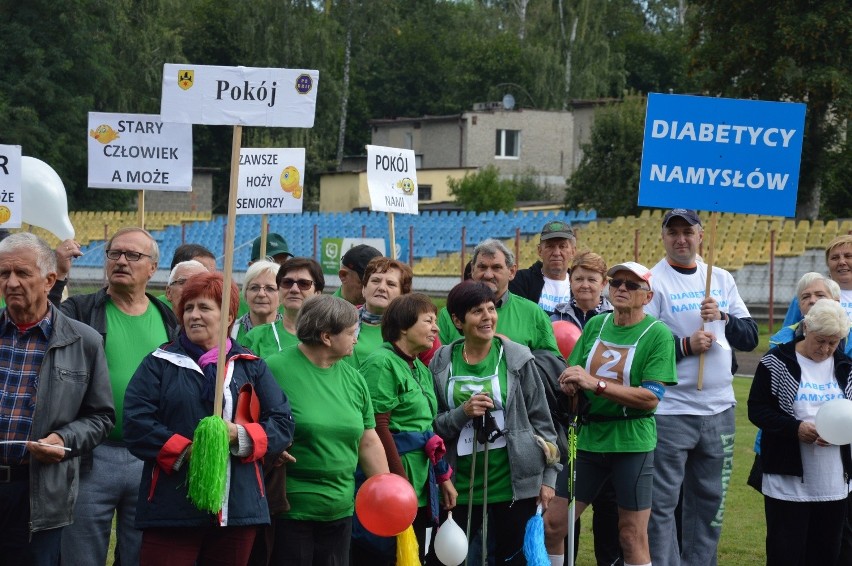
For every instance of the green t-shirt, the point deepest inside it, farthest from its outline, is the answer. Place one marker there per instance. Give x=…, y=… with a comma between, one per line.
x=129, y=340
x=338, y=293
x=331, y=408
x=518, y=319
x=267, y=339
x=408, y=394
x=653, y=359
x=499, y=474
x=369, y=340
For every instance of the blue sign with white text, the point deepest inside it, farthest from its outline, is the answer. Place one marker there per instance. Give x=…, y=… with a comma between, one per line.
x=721, y=154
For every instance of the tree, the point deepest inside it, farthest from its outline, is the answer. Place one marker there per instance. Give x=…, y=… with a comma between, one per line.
x=483, y=190
x=607, y=178
x=788, y=50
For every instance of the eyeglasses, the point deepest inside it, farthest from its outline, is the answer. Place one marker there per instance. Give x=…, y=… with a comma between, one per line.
x=304, y=284
x=130, y=256
x=269, y=289
x=178, y=282
x=631, y=285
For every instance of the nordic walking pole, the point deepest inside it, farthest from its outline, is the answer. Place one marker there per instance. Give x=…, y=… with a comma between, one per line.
x=572, y=457
x=485, y=504
x=470, y=490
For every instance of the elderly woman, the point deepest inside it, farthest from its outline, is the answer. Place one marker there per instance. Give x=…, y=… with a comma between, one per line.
x=384, y=280
x=485, y=379
x=261, y=294
x=805, y=479
x=403, y=396
x=812, y=287
x=621, y=363
x=336, y=432
x=838, y=259
x=588, y=279
x=298, y=279
x=171, y=391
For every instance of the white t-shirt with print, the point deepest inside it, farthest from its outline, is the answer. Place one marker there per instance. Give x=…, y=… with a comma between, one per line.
x=822, y=478
x=677, y=302
x=846, y=301
x=553, y=293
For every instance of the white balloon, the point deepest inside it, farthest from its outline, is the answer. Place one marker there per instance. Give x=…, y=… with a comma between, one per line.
x=451, y=543
x=43, y=200
x=834, y=421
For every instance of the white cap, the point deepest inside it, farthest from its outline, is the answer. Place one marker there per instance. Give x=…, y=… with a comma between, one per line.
x=640, y=270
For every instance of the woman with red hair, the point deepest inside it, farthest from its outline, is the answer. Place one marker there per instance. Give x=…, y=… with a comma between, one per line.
x=171, y=391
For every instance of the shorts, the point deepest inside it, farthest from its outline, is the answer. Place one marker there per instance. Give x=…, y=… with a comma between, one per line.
x=632, y=476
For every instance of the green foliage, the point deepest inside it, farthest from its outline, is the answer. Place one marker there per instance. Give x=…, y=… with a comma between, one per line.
x=608, y=176
x=424, y=57
x=483, y=190
x=787, y=50
x=836, y=181
x=528, y=187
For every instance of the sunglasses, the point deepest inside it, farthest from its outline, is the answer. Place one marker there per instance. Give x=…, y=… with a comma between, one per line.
x=304, y=284
x=631, y=285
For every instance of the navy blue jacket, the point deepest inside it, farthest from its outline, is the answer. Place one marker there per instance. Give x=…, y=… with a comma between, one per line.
x=770, y=408
x=162, y=408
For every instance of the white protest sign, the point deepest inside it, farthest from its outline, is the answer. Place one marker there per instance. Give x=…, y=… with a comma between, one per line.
x=246, y=96
x=270, y=180
x=10, y=186
x=391, y=179
x=140, y=152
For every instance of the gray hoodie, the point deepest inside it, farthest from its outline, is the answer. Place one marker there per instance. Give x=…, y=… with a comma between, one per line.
x=526, y=415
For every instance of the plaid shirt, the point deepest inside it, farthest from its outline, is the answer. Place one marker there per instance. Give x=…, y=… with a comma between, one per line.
x=21, y=354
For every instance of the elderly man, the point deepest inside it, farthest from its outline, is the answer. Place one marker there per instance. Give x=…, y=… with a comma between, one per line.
x=546, y=281
x=133, y=324
x=352, y=267
x=518, y=319
x=55, y=405
x=177, y=278
x=695, y=427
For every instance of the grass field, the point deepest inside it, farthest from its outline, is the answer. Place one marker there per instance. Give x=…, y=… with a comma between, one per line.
x=744, y=529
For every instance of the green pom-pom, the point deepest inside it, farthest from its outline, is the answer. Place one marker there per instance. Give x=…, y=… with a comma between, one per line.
x=208, y=464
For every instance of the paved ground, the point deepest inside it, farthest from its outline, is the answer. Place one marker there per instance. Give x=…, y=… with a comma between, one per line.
x=748, y=363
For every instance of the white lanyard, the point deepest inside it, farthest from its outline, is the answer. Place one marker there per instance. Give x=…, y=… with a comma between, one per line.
x=476, y=384
x=612, y=361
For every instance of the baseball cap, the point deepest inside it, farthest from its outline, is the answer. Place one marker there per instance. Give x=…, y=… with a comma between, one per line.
x=689, y=215
x=357, y=257
x=640, y=270
x=556, y=229
x=275, y=244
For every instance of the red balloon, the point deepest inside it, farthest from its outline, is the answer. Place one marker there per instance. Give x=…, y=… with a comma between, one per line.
x=567, y=335
x=386, y=504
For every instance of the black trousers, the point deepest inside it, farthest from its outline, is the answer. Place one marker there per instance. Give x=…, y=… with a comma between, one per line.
x=803, y=533
x=312, y=543
x=16, y=547
x=506, y=521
